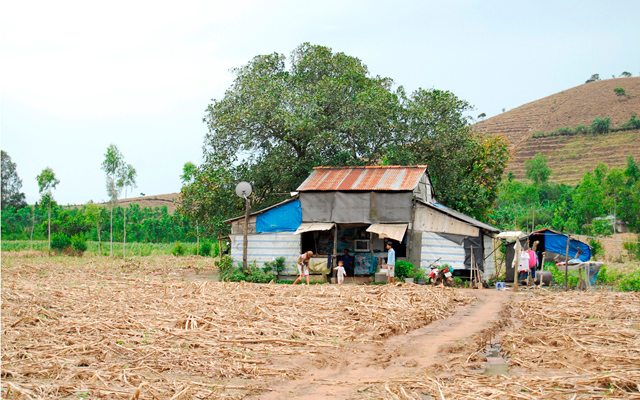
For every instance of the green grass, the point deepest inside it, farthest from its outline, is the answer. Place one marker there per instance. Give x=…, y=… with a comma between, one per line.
x=133, y=249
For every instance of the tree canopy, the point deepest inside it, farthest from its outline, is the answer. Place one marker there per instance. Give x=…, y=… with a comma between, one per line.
x=11, y=184
x=281, y=117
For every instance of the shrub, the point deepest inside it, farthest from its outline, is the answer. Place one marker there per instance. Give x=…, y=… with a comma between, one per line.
x=619, y=91
x=403, y=269
x=601, y=227
x=79, y=244
x=178, y=249
x=581, y=129
x=601, y=125
x=60, y=241
x=633, y=123
x=630, y=283
x=633, y=249
x=564, y=132
x=596, y=248
x=205, y=248
x=276, y=266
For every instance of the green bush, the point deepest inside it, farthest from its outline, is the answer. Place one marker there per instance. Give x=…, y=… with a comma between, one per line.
x=403, y=269
x=619, y=91
x=596, y=248
x=60, y=241
x=601, y=227
x=581, y=129
x=276, y=266
x=633, y=249
x=79, y=244
x=601, y=125
x=630, y=283
x=205, y=248
x=633, y=123
x=178, y=249
x=564, y=132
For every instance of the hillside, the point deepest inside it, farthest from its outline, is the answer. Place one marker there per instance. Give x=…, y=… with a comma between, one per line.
x=170, y=200
x=570, y=157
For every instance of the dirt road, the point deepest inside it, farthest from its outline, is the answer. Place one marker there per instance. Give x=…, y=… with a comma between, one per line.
x=342, y=372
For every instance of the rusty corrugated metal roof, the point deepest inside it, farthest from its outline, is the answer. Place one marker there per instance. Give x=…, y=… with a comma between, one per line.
x=388, y=178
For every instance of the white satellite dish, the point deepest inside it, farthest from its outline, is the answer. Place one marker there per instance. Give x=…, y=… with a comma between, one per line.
x=243, y=189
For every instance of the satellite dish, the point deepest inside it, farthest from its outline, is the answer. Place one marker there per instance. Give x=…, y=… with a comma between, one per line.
x=243, y=189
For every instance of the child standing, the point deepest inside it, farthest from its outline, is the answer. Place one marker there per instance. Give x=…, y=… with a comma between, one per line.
x=340, y=272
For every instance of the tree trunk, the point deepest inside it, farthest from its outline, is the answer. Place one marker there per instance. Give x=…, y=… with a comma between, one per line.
x=99, y=241
x=33, y=223
x=49, y=222
x=111, y=233
x=124, y=210
x=197, y=239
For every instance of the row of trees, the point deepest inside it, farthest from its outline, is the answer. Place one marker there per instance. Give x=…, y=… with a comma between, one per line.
x=93, y=222
x=537, y=203
x=281, y=117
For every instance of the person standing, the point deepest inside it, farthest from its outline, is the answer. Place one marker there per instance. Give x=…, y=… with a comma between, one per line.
x=303, y=266
x=340, y=272
x=391, y=263
x=347, y=261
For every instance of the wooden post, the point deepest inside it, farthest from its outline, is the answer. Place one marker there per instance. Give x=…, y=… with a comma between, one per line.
x=566, y=265
x=334, y=262
x=473, y=273
x=245, y=245
x=371, y=251
x=516, y=264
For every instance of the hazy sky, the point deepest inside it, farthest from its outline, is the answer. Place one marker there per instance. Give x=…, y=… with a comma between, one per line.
x=78, y=76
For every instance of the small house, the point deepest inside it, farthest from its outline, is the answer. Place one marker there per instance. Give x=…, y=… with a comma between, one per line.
x=353, y=211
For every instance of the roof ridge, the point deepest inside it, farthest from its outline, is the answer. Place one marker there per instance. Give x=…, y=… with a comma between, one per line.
x=372, y=167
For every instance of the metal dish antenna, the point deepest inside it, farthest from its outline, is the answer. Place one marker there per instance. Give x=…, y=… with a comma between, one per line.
x=243, y=189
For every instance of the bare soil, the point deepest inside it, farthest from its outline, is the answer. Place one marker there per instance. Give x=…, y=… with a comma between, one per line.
x=354, y=367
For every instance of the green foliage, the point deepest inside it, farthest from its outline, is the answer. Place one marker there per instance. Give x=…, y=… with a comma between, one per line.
x=276, y=266
x=594, y=78
x=596, y=249
x=626, y=74
x=178, y=249
x=227, y=272
x=11, y=184
x=601, y=227
x=537, y=169
x=205, y=248
x=633, y=249
x=629, y=283
x=581, y=129
x=404, y=269
x=633, y=123
x=78, y=244
x=601, y=125
x=419, y=274
x=619, y=91
x=280, y=118
x=60, y=241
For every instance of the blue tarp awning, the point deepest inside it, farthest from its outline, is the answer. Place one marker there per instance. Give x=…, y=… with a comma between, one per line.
x=557, y=243
x=284, y=218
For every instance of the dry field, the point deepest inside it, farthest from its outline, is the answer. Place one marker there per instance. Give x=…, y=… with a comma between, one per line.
x=100, y=328
x=152, y=329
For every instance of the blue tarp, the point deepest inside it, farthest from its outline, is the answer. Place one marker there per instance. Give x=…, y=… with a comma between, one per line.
x=285, y=218
x=557, y=243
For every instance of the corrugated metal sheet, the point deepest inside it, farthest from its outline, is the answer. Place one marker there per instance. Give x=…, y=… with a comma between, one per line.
x=392, y=178
x=435, y=246
x=267, y=247
x=489, y=264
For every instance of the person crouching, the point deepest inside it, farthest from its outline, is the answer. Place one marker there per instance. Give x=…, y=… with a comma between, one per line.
x=303, y=266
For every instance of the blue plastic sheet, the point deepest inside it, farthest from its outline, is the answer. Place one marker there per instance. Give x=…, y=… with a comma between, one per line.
x=285, y=218
x=557, y=243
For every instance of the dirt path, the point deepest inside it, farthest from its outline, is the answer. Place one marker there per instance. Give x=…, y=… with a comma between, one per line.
x=342, y=372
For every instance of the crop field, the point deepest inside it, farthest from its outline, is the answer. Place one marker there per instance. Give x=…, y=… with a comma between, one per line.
x=161, y=328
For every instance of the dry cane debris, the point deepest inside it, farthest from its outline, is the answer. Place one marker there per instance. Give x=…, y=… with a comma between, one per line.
x=95, y=327
x=569, y=345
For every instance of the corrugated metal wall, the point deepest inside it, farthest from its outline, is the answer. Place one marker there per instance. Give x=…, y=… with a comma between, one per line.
x=267, y=247
x=489, y=264
x=435, y=246
x=433, y=221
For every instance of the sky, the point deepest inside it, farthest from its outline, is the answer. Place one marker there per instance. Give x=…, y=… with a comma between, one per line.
x=76, y=76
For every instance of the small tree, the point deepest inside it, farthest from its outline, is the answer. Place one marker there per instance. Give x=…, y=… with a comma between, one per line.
x=112, y=163
x=93, y=213
x=11, y=184
x=619, y=91
x=626, y=74
x=46, y=183
x=482, y=116
x=601, y=125
x=594, y=78
x=127, y=180
x=190, y=210
x=537, y=169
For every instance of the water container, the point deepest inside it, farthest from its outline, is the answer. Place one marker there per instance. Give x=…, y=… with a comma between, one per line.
x=500, y=285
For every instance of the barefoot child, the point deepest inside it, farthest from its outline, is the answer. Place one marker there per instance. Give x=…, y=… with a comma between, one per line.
x=340, y=272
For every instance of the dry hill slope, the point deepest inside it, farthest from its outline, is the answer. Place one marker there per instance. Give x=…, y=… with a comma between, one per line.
x=170, y=200
x=570, y=157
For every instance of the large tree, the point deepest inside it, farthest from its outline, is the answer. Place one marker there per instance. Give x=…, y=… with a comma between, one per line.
x=275, y=123
x=126, y=180
x=11, y=184
x=47, y=181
